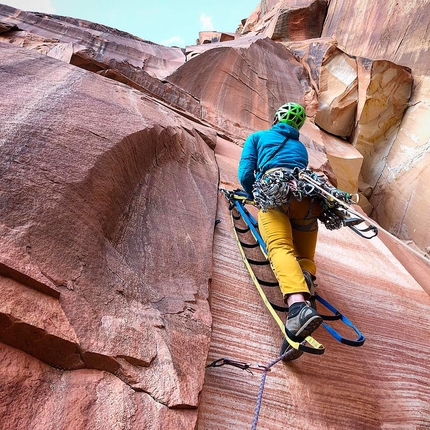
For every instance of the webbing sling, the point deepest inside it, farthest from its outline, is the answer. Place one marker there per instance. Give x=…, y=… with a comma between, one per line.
x=239, y=200
x=338, y=316
x=316, y=347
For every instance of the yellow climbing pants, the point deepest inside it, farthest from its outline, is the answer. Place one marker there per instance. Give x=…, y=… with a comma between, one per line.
x=290, y=234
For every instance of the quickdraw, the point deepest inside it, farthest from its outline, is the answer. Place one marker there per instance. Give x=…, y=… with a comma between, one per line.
x=277, y=186
x=249, y=367
x=338, y=205
x=237, y=201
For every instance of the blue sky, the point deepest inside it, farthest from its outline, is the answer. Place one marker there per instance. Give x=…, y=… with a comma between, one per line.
x=167, y=22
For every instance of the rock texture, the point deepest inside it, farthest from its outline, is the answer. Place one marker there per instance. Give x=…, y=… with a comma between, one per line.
x=84, y=191
x=86, y=44
x=289, y=20
x=382, y=384
x=396, y=35
x=254, y=69
x=395, y=31
x=119, y=284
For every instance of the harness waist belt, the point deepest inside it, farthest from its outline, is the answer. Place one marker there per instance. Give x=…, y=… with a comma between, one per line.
x=275, y=169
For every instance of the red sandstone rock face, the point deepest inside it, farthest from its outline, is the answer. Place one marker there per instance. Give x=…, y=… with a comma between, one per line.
x=35, y=395
x=261, y=71
x=101, y=44
x=93, y=177
x=381, y=384
x=288, y=20
x=397, y=33
x=116, y=291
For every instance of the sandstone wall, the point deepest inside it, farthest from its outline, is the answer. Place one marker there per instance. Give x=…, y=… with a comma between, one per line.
x=369, y=67
x=117, y=291
x=105, y=268
x=395, y=31
x=398, y=32
x=381, y=385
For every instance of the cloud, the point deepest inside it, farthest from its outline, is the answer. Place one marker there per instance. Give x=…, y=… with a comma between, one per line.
x=206, y=22
x=175, y=40
x=45, y=6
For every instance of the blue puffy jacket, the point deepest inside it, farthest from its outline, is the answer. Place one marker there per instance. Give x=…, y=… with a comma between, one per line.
x=259, y=148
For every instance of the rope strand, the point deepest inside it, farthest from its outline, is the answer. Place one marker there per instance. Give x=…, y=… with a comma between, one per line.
x=262, y=383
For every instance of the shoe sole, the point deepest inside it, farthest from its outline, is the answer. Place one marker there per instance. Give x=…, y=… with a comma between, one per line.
x=308, y=328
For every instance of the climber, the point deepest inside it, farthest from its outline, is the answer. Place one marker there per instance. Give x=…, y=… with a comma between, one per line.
x=289, y=229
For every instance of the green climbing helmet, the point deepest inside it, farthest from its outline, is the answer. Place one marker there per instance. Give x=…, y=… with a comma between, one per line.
x=292, y=114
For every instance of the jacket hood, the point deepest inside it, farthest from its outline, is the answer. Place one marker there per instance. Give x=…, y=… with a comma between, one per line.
x=286, y=130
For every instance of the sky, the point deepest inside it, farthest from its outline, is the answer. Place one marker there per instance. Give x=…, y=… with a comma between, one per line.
x=166, y=22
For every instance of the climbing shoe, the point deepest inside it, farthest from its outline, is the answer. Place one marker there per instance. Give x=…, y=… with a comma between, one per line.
x=301, y=322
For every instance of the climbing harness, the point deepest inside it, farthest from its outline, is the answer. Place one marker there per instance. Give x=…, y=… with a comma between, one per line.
x=277, y=186
x=337, y=205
